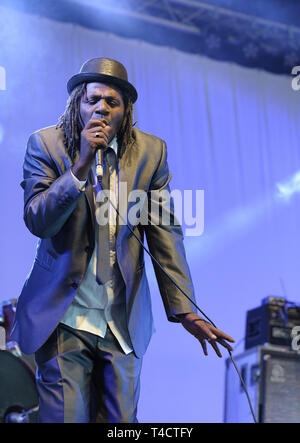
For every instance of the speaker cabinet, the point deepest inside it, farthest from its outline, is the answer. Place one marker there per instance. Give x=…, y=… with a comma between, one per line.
x=272, y=377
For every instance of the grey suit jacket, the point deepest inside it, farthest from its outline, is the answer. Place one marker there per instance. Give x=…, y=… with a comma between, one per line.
x=64, y=220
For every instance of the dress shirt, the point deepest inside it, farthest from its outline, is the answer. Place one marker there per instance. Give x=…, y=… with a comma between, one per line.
x=96, y=306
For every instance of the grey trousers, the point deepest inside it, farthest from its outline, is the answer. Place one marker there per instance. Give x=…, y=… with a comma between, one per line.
x=82, y=378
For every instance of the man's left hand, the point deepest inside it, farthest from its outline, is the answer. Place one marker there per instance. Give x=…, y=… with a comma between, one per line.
x=205, y=332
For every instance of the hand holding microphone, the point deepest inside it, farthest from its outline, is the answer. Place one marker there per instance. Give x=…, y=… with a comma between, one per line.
x=95, y=137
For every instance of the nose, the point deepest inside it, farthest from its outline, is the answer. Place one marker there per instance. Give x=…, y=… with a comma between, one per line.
x=102, y=108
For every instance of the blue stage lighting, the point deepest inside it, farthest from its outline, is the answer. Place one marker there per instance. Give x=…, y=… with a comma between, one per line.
x=287, y=189
x=2, y=79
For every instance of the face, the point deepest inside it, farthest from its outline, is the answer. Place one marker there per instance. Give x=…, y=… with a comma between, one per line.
x=103, y=101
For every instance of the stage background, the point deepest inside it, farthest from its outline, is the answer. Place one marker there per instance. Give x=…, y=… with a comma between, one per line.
x=231, y=131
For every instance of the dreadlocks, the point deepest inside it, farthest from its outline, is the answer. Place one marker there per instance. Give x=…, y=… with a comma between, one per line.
x=70, y=122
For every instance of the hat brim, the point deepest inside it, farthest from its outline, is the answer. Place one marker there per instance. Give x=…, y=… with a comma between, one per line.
x=87, y=77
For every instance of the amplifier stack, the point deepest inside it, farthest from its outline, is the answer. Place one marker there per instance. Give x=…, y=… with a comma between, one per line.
x=270, y=366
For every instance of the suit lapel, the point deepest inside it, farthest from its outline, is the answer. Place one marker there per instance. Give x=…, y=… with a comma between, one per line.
x=127, y=176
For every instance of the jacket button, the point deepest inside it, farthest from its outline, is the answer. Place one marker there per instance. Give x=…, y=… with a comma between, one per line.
x=74, y=285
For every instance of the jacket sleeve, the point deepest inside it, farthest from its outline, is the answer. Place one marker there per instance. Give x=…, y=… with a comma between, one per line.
x=165, y=240
x=49, y=197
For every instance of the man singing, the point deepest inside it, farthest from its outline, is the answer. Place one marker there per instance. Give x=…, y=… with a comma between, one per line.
x=85, y=308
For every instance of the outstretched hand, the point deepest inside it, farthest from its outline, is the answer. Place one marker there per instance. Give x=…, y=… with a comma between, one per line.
x=205, y=332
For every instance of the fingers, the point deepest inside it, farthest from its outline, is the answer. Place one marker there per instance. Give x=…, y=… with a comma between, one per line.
x=222, y=339
x=206, y=332
x=99, y=136
x=222, y=335
x=204, y=347
x=215, y=347
x=214, y=337
x=99, y=132
x=93, y=122
x=225, y=344
x=222, y=343
x=97, y=128
x=96, y=134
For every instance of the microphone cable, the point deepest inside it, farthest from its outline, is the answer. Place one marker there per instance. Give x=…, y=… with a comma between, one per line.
x=181, y=290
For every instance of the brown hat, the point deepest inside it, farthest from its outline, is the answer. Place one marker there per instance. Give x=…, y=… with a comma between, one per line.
x=103, y=70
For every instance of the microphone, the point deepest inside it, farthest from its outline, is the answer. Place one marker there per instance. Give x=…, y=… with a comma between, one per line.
x=99, y=164
x=99, y=158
